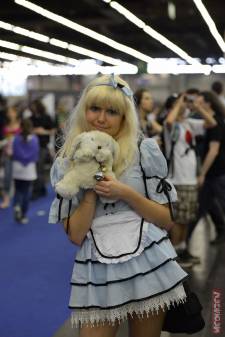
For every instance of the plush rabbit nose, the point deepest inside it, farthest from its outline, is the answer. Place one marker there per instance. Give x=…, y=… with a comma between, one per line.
x=99, y=147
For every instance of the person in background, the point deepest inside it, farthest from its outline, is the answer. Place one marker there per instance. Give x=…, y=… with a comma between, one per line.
x=25, y=152
x=180, y=149
x=211, y=178
x=163, y=112
x=217, y=88
x=10, y=129
x=147, y=118
x=61, y=117
x=115, y=279
x=3, y=105
x=44, y=127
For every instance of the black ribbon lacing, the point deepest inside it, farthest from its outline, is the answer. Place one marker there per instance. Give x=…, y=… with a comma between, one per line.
x=165, y=187
x=59, y=211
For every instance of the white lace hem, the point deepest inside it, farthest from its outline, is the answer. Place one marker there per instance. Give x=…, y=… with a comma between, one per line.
x=95, y=317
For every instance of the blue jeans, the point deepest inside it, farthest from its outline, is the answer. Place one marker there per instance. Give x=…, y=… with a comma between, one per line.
x=22, y=194
x=7, y=174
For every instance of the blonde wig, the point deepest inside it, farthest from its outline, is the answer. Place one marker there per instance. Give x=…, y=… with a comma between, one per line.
x=100, y=92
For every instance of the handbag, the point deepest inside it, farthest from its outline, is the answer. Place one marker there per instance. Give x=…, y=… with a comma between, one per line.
x=185, y=317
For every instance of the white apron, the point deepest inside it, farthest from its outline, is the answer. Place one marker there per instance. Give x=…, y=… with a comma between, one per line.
x=117, y=237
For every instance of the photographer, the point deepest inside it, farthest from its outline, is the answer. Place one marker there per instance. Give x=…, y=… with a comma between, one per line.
x=180, y=132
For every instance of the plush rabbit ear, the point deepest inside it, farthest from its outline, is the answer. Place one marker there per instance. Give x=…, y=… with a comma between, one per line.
x=116, y=151
x=77, y=142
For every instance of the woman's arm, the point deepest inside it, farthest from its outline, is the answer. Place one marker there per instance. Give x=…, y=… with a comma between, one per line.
x=81, y=220
x=156, y=127
x=210, y=121
x=150, y=210
x=175, y=111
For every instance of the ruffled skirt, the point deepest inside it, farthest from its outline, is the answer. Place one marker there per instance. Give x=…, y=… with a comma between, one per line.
x=144, y=284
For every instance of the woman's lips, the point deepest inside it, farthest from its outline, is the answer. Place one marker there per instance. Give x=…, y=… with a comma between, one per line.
x=100, y=128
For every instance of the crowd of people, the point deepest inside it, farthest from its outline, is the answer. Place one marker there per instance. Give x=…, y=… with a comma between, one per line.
x=189, y=129
x=24, y=152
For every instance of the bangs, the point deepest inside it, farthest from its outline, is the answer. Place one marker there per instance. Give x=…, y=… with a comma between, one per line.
x=107, y=97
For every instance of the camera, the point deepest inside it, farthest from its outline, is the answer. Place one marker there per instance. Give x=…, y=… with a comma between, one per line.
x=189, y=98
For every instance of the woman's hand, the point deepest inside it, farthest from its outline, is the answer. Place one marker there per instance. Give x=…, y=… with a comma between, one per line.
x=110, y=188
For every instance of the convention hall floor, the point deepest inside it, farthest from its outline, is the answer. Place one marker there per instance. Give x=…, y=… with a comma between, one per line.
x=208, y=275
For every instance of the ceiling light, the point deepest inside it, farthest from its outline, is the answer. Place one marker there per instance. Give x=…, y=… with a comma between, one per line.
x=5, y=25
x=8, y=56
x=28, y=60
x=221, y=60
x=48, y=55
x=61, y=44
x=82, y=67
x=170, y=66
x=218, y=68
x=38, y=52
x=30, y=34
x=130, y=16
x=171, y=10
x=83, y=30
x=210, y=23
x=9, y=45
x=153, y=33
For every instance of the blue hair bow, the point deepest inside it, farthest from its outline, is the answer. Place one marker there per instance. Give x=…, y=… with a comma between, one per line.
x=113, y=83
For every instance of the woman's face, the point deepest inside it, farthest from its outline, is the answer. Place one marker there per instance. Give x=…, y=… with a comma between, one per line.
x=12, y=113
x=104, y=119
x=146, y=103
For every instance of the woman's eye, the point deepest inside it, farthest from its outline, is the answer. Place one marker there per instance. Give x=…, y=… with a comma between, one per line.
x=94, y=108
x=112, y=112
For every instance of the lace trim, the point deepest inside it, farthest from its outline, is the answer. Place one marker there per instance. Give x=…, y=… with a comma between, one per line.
x=97, y=317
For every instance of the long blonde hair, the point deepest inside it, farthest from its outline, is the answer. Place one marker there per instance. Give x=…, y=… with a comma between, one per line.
x=99, y=92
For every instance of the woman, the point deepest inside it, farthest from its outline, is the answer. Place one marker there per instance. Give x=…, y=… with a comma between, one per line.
x=137, y=285
x=10, y=129
x=147, y=118
x=25, y=156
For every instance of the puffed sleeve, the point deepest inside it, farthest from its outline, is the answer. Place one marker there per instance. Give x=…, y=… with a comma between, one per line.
x=154, y=166
x=61, y=208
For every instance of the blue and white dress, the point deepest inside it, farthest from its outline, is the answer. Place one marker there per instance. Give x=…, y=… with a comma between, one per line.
x=125, y=264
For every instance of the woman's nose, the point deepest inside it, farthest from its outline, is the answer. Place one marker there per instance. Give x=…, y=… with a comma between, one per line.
x=101, y=116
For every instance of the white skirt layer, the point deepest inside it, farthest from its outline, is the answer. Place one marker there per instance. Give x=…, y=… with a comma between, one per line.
x=94, y=317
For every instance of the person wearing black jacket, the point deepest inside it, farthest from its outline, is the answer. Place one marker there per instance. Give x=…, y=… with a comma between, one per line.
x=211, y=177
x=44, y=127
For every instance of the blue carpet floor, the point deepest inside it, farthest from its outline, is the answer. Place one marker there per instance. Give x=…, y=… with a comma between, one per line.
x=36, y=262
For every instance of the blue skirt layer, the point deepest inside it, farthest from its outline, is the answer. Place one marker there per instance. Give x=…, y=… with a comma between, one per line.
x=105, y=286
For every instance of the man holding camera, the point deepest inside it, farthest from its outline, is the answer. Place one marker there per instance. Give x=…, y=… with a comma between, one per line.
x=181, y=133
